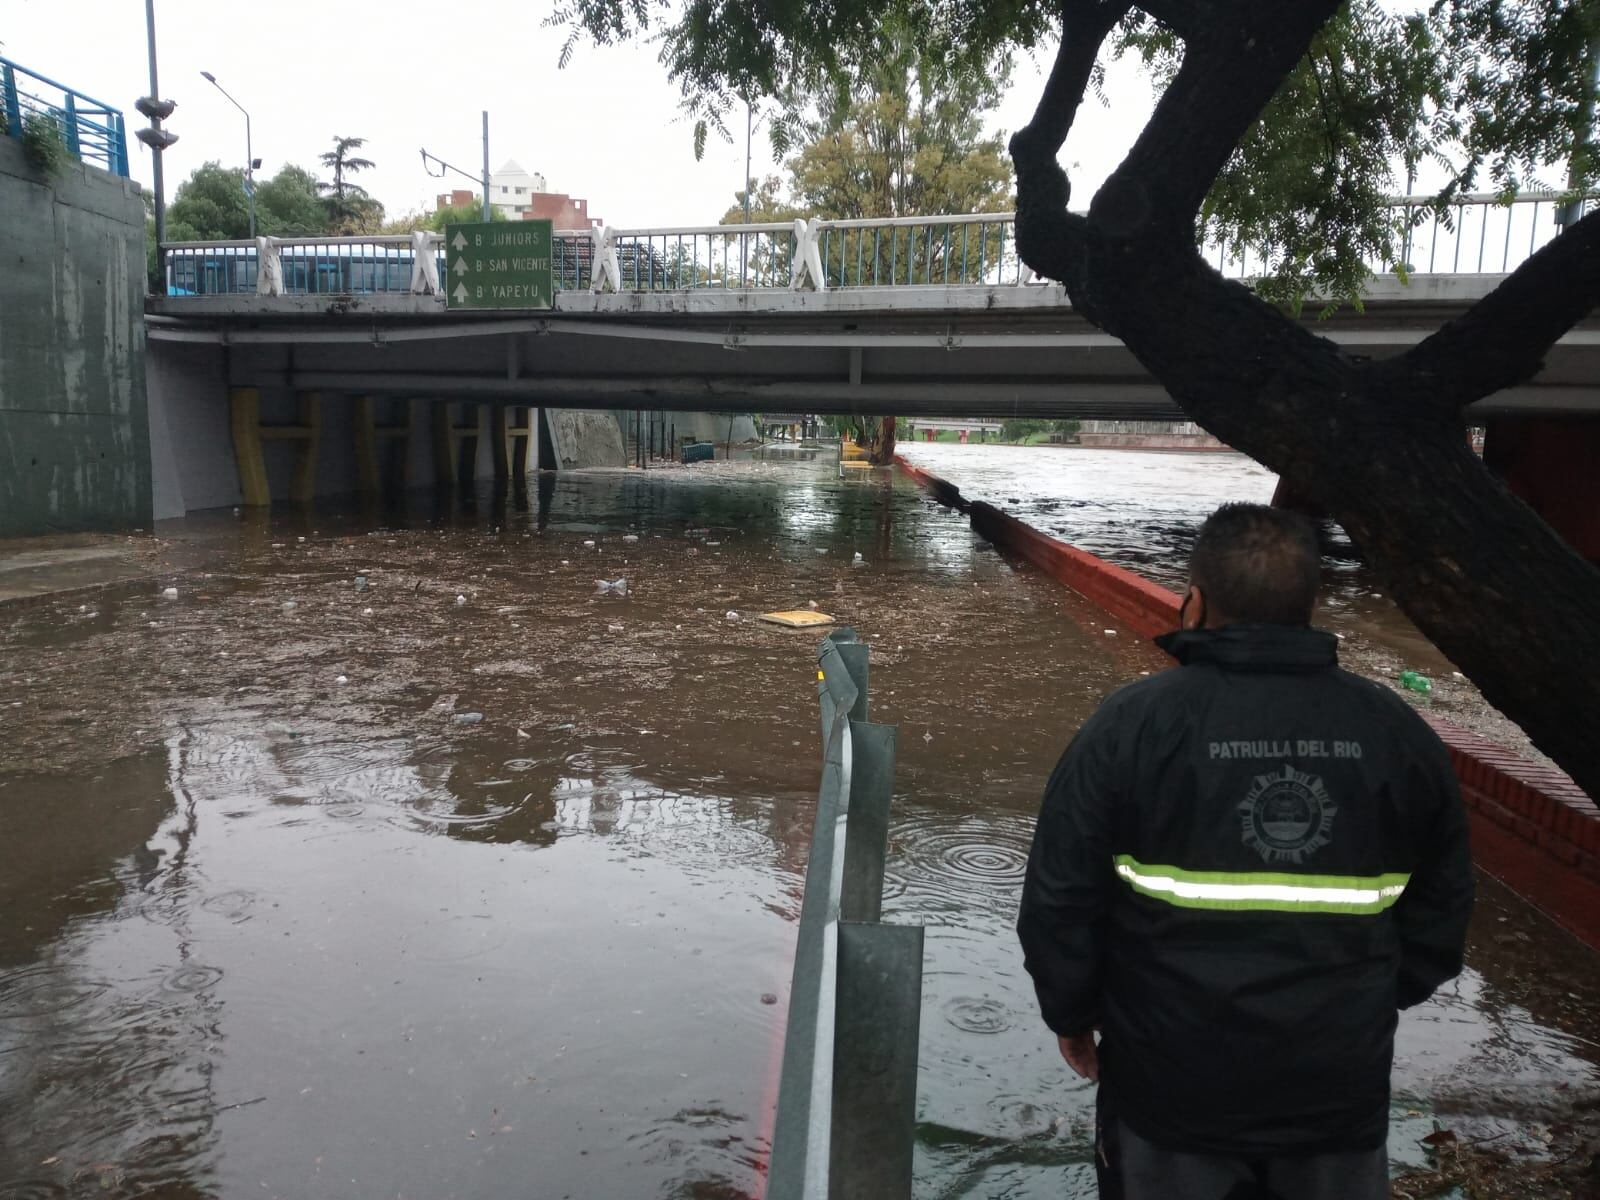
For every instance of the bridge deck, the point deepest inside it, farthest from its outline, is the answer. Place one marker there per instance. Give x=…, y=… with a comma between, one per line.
x=963, y=351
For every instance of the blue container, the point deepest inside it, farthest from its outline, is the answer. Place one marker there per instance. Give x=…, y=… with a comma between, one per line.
x=699, y=452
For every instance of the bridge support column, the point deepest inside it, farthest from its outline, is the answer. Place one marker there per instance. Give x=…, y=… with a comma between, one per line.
x=249, y=433
x=303, y=487
x=518, y=434
x=245, y=413
x=510, y=429
x=455, y=445
x=444, y=447
x=499, y=443
x=369, y=438
x=1553, y=465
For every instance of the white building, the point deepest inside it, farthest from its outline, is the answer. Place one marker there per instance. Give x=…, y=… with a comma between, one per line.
x=512, y=186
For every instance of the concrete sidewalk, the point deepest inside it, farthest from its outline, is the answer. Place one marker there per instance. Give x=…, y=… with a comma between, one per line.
x=32, y=567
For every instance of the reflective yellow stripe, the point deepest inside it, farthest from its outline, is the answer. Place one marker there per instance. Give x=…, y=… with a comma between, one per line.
x=1262, y=891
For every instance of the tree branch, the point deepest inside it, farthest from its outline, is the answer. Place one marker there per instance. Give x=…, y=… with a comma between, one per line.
x=1084, y=25
x=1186, y=18
x=1501, y=340
x=1049, y=238
x=1231, y=68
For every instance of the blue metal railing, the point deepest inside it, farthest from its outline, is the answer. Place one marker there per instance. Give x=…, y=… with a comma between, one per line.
x=1476, y=234
x=92, y=131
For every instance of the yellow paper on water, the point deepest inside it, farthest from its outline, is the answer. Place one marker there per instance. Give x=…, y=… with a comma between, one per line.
x=798, y=618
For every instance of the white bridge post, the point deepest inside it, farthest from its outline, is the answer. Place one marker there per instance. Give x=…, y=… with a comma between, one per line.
x=806, y=266
x=269, y=267
x=425, y=262
x=603, y=265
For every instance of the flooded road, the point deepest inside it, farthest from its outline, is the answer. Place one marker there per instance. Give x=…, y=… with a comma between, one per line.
x=1141, y=509
x=471, y=882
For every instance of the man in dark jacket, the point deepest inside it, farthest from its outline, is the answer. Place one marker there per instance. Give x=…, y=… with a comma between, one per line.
x=1243, y=868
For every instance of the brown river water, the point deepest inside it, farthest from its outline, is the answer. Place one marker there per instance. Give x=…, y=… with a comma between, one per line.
x=267, y=933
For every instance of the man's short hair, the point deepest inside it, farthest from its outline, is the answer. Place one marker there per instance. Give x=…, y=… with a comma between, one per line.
x=1256, y=563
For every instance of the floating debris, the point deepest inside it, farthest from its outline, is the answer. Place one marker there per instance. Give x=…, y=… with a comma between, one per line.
x=796, y=618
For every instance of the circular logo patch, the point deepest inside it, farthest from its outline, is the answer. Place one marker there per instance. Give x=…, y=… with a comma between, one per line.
x=1287, y=815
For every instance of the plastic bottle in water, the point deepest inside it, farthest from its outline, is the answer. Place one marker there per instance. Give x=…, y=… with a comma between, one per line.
x=1416, y=681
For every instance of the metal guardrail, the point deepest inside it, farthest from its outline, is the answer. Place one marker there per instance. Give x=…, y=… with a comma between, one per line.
x=1476, y=234
x=91, y=130
x=846, y=1117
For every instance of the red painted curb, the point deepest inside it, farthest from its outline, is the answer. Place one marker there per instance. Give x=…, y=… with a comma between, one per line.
x=1135, y=601
x=1532, y=827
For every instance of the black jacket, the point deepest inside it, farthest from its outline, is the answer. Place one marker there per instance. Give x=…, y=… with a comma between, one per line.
x=1243, y=868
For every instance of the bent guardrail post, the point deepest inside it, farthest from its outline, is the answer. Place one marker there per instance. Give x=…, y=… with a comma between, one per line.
x=875, y=1061
x=847, y=1096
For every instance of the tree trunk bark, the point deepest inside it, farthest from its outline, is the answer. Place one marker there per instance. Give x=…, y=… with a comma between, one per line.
x=1379, y=444
x=880, y=450
x=1487, y=581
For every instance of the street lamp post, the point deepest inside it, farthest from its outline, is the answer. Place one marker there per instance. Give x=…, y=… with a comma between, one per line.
x=488, y=213
x=249, y=155
x=158, y=139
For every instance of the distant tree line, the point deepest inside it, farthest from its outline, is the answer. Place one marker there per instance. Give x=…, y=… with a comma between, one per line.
x=212, y=205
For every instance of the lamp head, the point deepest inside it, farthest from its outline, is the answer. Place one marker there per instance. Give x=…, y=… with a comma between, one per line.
x=208, y=76
x=156, y=139
x=158, y=110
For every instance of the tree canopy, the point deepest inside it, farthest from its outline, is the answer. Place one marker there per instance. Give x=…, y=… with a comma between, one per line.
x=211, y=203
x=904, y=139
x=1467, y=95
x=350, y=209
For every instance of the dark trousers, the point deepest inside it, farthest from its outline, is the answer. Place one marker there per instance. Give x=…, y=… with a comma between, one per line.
x=1130, y=1167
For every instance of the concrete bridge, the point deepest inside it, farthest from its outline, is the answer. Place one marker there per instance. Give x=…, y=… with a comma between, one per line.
x=927, y=315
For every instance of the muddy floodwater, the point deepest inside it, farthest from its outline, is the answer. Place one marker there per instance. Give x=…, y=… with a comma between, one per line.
x=1141, y=509
x=390, y=859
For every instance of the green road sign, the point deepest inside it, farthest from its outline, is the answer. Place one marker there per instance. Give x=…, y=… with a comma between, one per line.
x=499, y=264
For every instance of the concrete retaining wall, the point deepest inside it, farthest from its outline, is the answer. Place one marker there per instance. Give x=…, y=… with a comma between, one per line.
x=585, y=439
x=1150, y=441
x=191, y=448
x=1532, y=827
x=74, y=442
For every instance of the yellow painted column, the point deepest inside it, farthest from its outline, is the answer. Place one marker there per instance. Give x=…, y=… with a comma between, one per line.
x=519, y=440
x=366, y=438
x=499, y=442
x=245, y=406
x=444, y=444
x=303, y=490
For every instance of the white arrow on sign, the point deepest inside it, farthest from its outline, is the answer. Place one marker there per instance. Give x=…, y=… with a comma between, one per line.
x=459, y=241
x=461, y=266
x=460, y=293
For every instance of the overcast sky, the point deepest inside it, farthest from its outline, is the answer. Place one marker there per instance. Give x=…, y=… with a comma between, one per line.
x=408, y=75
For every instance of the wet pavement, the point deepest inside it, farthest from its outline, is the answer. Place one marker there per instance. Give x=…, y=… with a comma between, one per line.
x=474, y=883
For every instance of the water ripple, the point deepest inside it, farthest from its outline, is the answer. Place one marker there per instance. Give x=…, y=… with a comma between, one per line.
x=973, y=1014
x=968, y=860
x=40, y=991
x=192, y=978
